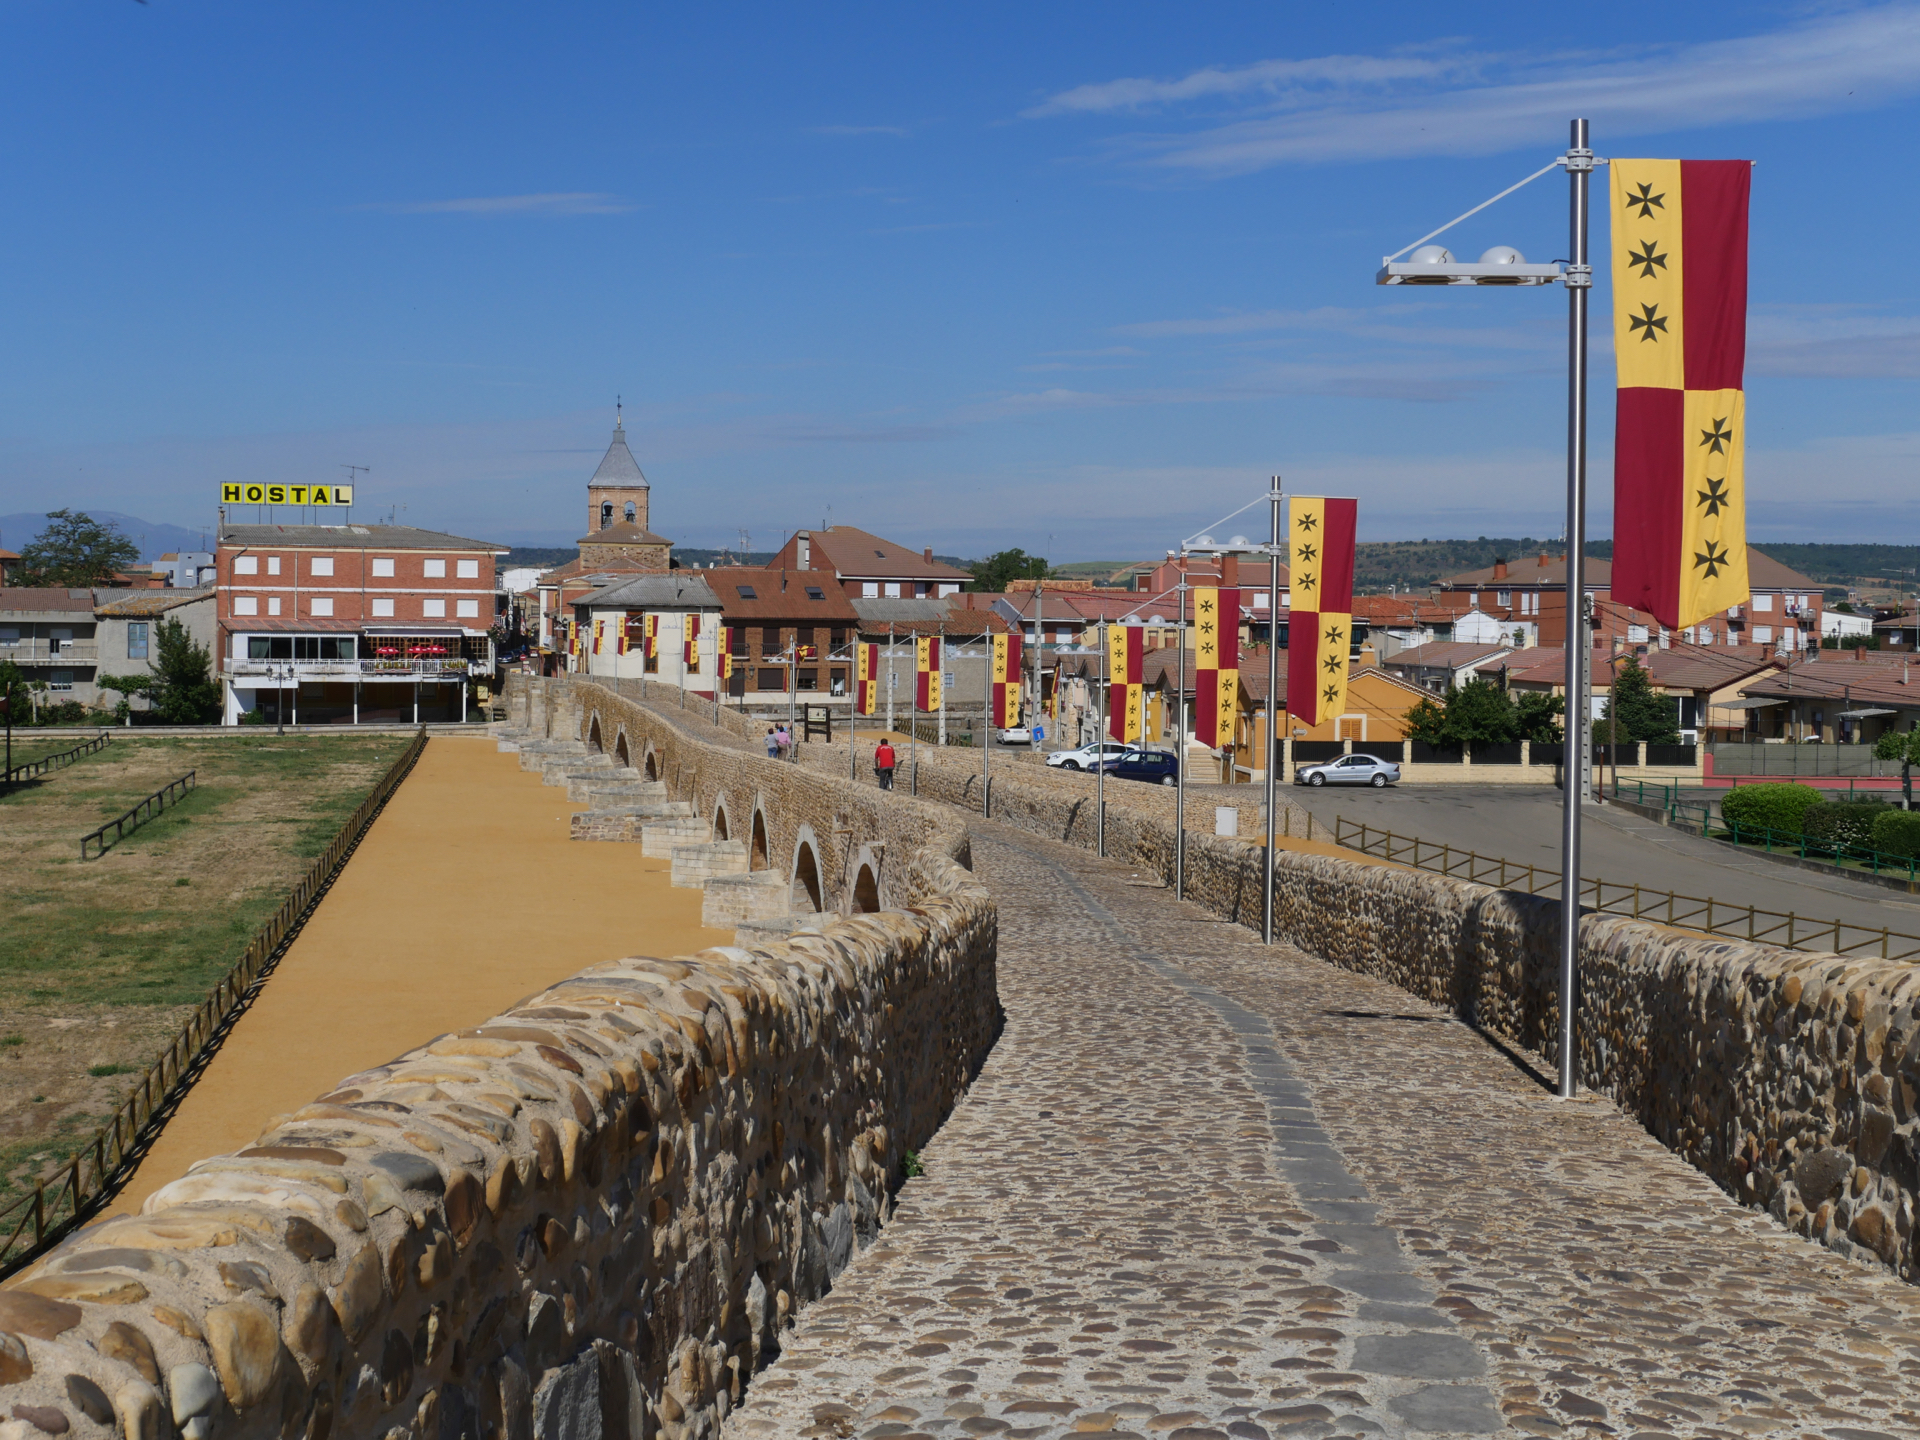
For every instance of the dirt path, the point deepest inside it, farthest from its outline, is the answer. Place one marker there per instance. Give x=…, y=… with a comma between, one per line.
x=464, y=897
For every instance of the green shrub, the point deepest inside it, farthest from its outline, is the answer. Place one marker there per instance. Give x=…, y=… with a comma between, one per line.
x=1898, y=833
x=1848, y=823
x=1771, y=807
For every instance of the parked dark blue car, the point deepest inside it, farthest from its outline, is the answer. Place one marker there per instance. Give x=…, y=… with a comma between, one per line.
x=1153, y=766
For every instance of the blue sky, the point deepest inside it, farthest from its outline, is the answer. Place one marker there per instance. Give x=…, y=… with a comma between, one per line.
x=1071, y=277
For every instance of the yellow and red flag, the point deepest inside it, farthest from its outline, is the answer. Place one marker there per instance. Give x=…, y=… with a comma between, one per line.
x=926, y=679
x=653, y=637
x=1320, y=628
x=1216, y=664
x=692, y=655
x=1125, y=653
x=866, y=670
x=1680, y=348
x=1006, y=680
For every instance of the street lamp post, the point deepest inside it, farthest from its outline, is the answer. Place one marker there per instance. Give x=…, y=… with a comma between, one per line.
x=1433, y=265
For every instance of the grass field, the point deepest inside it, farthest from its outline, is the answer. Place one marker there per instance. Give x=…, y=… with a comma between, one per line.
x=100, y=960
x=31, y=745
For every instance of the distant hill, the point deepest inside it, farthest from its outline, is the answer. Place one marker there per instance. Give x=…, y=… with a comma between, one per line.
x=154, y=539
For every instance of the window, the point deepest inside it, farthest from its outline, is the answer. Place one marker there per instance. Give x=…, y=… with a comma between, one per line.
x=736, y=640
x=9, y=634
x=383, y=568
x=1763, y=634
x=61, y=680
x=273, y=604
x=631, y=512
x=246, y=605
x=433, y=609
x=893, y=589
x=1473, y=598
x=814, y=592
x=773, y=678
x=1503, y=597
x=246, y=564
x=467, y=609
x=746, y=592
x=769, y=639
x=869, y=589
x=1763, y=602
x=467, y=569
x=839, y=638
x=435, y=569
x=323, y=565
x=137, y=640
x=321, y=605
x=383, y=607
x=881, y=553
x=273, y=564
x=1636, y=634
x=809, y=679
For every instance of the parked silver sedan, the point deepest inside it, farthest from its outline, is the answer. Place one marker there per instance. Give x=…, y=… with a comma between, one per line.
x=1349, y=770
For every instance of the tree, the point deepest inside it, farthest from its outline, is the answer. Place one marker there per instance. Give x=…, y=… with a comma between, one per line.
x=1905, y=748
x=993, y=573
x=181, y=690
x=1537, y=714
x=1481, y=713
x=1642, y=714
x=76, y=551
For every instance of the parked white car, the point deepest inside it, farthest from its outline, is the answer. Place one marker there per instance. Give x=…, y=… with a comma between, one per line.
x=1090, y=757
x=1016, y=735
x=1349, y=770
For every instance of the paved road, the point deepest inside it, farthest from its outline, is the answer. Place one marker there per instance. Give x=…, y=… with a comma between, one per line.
x=1246, y=1194
x=1523, y=823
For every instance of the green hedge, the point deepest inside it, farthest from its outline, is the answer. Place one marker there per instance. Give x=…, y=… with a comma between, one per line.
x=1848, y=823
x=1898, y=833
x=1771, y=807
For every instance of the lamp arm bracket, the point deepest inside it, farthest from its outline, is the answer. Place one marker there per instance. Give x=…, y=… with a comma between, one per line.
x=1578, y=277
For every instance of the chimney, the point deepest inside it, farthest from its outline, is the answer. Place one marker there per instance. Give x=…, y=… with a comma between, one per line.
x=927, y=554
x=1499, y=568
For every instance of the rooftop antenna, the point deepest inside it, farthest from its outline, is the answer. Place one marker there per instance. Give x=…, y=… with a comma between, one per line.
x=354, y=472
x=618, y=422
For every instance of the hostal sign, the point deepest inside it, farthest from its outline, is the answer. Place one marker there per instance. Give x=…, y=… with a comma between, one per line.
x=286, y=494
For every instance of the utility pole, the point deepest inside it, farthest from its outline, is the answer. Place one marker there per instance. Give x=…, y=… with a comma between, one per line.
x=1100, y=744
x=986, y=738
x=1180, y=749
x=890, y=676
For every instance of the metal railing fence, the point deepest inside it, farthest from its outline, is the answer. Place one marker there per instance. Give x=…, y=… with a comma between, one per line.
x=138, y=815
x=1641, y=902
x=1773, y=842
x=69, y=1195
x=28, y=770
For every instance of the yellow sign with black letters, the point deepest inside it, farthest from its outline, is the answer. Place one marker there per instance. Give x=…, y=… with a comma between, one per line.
x=286, y=494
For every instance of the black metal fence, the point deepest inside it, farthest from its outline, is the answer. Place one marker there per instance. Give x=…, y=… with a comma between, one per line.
x=63, y=1200
x=1746, y=759
x=167, y=794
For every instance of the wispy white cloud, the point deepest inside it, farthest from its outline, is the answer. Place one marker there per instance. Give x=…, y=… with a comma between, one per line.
x=1343, y=108
x=570, y=202
x=1821, y=341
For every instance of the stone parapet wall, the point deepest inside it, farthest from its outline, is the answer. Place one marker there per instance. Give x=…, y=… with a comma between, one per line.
x=590, y=1216
x=1789, y=1078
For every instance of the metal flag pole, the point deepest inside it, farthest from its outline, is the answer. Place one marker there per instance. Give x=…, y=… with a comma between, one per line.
x=1100, y=745
x=1180, y=748
x=1274, y=552
x=890, y=663
x=913, y=720
x=1579, y=282
x=986, y=745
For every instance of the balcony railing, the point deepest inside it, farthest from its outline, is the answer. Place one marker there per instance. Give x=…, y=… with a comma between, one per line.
x=49, y=652
x=398, y=667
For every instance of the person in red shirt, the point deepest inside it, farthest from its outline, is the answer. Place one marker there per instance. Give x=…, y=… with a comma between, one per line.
x=883, y=763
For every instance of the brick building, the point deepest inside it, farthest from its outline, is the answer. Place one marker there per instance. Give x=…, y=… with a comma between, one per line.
x=868, y=567
x=785, y=628
x=349, y=623
x=617, y=544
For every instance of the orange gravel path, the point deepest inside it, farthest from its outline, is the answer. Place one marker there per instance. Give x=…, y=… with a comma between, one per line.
x=464, y=897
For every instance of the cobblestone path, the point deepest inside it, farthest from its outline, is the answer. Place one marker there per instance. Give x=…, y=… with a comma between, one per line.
x=1203, y=1189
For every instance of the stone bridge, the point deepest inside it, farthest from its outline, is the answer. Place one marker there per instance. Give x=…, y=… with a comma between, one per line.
x=1196, y=1187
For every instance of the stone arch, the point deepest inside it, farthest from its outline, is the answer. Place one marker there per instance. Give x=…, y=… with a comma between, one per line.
x=758, y=857
x=722, y=830
x=866, y=892
x=631, y=512
x=620, y=751
x=806, y=891
x=653, y=763
x=593, y=736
